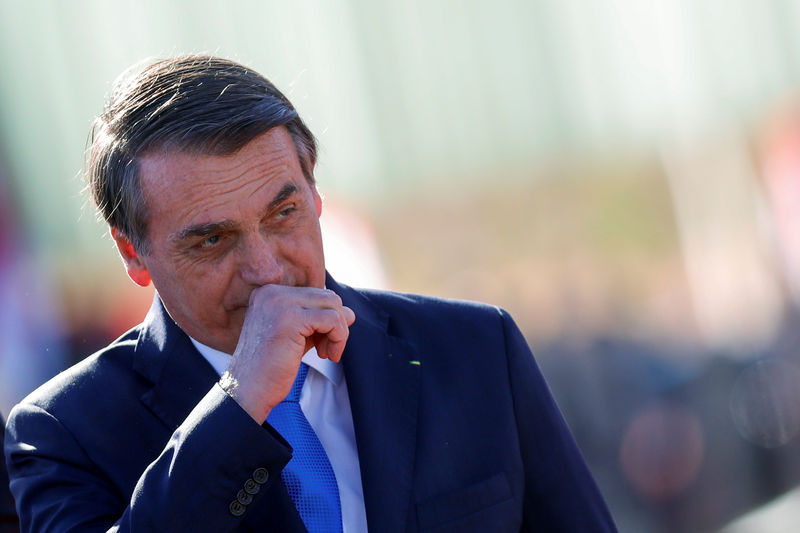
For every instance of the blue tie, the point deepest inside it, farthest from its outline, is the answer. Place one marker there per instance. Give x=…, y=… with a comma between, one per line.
x=308, y=476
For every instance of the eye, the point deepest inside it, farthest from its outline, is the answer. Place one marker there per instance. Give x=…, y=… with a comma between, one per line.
x=287, y=211
x=209, y=242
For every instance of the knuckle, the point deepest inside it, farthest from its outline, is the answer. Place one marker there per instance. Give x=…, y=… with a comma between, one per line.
x=335, y=298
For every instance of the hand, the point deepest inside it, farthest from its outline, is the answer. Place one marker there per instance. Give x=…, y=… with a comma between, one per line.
x=281, y=324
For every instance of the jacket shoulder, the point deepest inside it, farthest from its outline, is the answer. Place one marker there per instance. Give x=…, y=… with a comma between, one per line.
x=432, y=319
x=420, y=303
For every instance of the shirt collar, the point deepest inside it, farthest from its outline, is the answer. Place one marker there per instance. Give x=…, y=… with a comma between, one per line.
x=219, y=360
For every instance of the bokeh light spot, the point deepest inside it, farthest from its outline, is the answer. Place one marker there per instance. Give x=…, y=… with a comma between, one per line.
x=662, y=451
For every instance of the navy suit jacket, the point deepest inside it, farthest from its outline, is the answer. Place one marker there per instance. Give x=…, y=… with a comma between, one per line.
x=455, y=428
x=8, y=516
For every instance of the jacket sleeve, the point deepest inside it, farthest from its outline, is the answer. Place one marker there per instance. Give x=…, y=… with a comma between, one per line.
x=560, y=493
x=192, y=485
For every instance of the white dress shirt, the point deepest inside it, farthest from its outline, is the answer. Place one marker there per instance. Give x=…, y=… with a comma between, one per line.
x=326, y=405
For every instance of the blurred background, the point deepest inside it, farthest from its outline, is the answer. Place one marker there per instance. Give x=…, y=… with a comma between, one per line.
x=622, y=175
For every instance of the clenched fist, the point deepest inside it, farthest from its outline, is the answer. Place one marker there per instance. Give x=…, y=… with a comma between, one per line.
x=281, y=324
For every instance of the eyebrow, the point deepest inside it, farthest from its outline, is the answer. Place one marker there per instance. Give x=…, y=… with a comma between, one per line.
x=209, y=228
x=204, y=230
x=286, y=191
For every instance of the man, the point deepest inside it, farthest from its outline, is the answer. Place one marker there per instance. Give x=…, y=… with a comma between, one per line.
x=418, y=414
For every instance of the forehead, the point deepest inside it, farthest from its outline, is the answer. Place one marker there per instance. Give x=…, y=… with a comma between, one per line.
x=268, y=153
x=183, y=187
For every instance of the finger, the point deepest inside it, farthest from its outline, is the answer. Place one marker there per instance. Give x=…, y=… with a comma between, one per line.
x=336, y=340
x=329, y=349
x=349, y=315
x=309, y=297
x=328, y=331
x=326, y=350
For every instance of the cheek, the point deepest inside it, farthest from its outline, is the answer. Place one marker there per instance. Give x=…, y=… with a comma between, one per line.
x=314, y=261
x=211, y=289
x=305, y=248
x=200, y=288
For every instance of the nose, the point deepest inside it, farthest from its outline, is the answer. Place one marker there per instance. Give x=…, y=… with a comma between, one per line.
x=261, y=262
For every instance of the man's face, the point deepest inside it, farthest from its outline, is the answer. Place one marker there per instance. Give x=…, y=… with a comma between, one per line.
x=221, y=226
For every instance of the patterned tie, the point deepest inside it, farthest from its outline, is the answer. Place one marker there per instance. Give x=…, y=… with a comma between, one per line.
x=308, y=476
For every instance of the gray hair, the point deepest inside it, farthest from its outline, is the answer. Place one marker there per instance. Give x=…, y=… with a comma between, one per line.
x=194, y=103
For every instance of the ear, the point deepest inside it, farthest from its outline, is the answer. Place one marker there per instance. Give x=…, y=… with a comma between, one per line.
x=317, y=200
x=136, y=268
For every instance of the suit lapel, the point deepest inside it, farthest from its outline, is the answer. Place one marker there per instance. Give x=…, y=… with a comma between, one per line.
x=383, y=381
x=180, y=375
